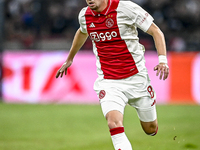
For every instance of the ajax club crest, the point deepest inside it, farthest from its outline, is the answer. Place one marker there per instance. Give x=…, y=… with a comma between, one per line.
x=109, y=23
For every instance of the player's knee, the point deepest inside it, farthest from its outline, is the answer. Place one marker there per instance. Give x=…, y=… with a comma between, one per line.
x=114, y=119
x=114, y=124
x=152, y=130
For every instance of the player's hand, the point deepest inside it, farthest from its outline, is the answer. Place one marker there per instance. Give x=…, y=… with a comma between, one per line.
x=163, y=70
x=63, y=69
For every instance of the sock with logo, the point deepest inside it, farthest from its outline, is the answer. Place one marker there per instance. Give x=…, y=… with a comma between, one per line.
x=119, y=139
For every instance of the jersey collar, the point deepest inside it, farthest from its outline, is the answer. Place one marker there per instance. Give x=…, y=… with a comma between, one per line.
x=105, y=11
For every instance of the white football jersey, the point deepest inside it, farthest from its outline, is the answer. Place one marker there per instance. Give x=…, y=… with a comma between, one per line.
x=115, y=38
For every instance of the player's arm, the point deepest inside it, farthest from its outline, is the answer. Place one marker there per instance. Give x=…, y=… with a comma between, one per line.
x=79, y=40
x=159, y=40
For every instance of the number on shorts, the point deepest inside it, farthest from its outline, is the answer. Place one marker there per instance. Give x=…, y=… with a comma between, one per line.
x=150, y=90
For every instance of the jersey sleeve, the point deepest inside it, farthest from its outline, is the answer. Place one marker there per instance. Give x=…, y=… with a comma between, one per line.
x=138, y=16
x=82, y=20
x=143, y=19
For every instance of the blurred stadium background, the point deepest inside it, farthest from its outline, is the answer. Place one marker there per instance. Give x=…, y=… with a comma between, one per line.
x=50, y=24
x=35, y=37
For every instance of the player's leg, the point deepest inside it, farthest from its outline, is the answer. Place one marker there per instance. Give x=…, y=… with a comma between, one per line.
x=113, y=102
x=150, y=128
x=145, y=103
x=147, y=114
x=114, y=119
x=114, y=115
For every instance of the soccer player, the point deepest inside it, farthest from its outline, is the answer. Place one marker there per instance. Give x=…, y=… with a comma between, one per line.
x=122, y=75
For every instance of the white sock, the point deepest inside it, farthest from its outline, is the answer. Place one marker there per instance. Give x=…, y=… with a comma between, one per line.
x=119, y=139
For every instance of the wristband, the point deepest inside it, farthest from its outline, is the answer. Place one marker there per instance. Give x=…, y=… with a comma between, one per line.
x=162, y=59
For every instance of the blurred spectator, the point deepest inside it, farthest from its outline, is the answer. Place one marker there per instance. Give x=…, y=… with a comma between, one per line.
x=177, y=44
x=30, y=21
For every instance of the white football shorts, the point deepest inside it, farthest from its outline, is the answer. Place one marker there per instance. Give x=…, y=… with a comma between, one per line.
x=135, y=91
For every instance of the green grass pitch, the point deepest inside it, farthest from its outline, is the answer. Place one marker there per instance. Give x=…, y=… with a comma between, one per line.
x=83, y=127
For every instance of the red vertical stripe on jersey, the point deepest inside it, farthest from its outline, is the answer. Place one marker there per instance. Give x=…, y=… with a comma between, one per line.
x=115, y=59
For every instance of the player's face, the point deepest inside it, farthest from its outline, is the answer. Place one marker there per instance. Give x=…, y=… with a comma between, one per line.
x=97, y=5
